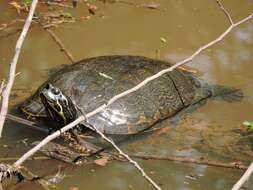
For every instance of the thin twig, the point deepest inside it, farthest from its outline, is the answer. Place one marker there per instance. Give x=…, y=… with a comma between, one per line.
x=1, y=89
x=46, y=140
x=153, y=77
x=244, y=178
x=26, y=122
x=56, y=4
x=202, y=161
x=226, y=12
x=12, y=71
x=249, y=171
x=4, y=26
x=58, y=41
x=97, y=110
x=82, y=118
x=39, y=180
x=32, y=158
x=136, y=165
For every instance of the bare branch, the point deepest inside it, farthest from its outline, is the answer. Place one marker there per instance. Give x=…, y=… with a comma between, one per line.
x=136, y=165
x=115, y=98
x=82, y=118
x=147, y=80
x=4, y=26
x=56, y=4
x=58, y=41
x=244, y=178
x=12, y=71
x=47, y=139
x=225, y=11
x=201, y=161
x=26, y=122
x=1, y=89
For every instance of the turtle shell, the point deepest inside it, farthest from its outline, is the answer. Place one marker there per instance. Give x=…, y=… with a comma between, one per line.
x=92, y=82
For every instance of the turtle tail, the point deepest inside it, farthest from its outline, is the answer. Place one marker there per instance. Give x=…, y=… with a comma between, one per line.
x=228, y=94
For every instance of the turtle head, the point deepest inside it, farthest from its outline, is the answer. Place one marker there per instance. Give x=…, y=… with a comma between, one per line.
x=59, y=107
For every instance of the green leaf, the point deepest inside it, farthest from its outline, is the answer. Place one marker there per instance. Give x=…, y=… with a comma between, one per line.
x=66, y=15
x=248, y=124
x=27, y=2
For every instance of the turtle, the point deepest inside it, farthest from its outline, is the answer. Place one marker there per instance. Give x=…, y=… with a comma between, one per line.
x=84, y=86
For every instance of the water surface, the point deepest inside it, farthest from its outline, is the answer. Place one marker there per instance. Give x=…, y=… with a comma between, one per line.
x=213, y=131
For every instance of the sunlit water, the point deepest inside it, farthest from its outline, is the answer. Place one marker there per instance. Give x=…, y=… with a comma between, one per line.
x=213, y=131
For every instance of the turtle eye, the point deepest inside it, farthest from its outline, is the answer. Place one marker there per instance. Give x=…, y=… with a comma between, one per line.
x=56, y=91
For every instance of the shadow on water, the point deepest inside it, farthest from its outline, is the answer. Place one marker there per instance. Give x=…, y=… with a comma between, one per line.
x=213, y=131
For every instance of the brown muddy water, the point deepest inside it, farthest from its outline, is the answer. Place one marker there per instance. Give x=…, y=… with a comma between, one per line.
x=213, y=131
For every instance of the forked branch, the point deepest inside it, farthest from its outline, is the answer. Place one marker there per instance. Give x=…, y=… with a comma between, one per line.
x=12, y=72
x=225, y=12
x=112, y=100
x=147, y=80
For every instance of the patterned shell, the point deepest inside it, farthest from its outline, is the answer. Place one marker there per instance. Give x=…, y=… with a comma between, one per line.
x=92, y=82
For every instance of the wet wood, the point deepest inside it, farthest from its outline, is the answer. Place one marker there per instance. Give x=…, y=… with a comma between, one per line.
x=60, y=152
x=64, y=154
x=56, y=4
x=16, y=158
x=61, y=45
x=201, y=161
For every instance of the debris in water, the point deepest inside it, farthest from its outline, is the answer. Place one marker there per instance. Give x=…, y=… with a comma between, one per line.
x=59, y=176
x=151, y=5
x=18, y=7
x=84, y=18
x=163, y=40
x=106, y=76
x=101, y=161
x=92, y=8
x=191, y=176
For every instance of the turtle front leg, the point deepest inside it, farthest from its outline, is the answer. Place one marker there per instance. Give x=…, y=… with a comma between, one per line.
x=77, y=143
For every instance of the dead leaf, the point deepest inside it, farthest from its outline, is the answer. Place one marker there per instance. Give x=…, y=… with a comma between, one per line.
x=102, y=161
x=92, y=9
x=84, y=18
x=17, y=6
